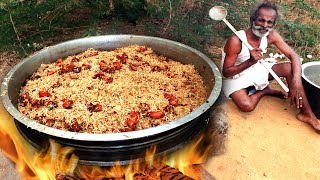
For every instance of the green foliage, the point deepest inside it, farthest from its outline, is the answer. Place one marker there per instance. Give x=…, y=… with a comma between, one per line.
x=130, y=9
x=300, y=34
x=185, y=21
x=101, y=8
x=158, y=10
x=313, y=11
x=33, y=22
x=116, y=27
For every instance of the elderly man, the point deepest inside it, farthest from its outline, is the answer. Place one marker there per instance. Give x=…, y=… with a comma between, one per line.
x=246, y=80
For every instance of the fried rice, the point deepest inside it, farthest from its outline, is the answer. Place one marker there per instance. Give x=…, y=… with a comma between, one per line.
x=126, y=89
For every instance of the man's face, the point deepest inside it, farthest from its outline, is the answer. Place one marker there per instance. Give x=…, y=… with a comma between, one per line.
x=264, y=22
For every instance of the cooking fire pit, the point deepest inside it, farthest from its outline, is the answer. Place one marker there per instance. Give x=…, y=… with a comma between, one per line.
x=106, y=149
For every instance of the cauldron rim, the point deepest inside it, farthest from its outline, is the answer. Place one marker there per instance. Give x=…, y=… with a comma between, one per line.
x=113, y=136
x=304, y=67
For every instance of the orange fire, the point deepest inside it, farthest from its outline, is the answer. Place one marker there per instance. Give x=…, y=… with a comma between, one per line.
x=45, y=165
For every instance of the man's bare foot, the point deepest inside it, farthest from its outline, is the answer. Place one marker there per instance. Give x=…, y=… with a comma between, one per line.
x=276, y=93
x=313, y=121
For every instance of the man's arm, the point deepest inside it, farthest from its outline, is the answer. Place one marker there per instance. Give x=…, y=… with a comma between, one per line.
x=232, y=49
x=296, y=87
x=278, y=41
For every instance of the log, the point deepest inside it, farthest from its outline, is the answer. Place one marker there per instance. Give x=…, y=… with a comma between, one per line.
x=156, y=172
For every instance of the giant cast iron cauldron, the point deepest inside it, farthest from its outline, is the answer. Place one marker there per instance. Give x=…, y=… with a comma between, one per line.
x=311, y=83
x=105, y=149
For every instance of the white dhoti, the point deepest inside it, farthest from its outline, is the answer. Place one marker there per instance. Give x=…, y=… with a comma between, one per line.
x=256, y=75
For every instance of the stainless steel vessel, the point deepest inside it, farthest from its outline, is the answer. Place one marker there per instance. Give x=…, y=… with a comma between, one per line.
x=93, y=148
x=311, y=83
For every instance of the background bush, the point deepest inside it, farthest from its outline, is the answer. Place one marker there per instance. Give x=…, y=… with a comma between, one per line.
x=29, y=25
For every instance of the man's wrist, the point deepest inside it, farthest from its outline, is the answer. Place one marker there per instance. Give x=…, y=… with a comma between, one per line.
x=250, y=63
x=296, y=79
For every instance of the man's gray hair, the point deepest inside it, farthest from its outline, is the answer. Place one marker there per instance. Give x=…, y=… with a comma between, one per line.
x=266, y=5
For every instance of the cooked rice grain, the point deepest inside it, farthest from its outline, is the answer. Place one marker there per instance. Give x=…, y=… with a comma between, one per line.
x=111, y=91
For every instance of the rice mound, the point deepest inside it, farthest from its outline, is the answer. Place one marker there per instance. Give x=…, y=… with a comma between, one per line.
x=126, y=89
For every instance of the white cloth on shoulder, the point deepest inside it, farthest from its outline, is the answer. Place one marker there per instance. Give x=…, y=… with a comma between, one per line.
x=256, y=75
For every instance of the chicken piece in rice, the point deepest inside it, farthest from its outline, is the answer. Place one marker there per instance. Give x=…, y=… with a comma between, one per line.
x=127, y=89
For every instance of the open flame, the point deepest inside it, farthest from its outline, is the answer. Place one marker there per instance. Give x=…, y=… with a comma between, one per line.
x=58, y=160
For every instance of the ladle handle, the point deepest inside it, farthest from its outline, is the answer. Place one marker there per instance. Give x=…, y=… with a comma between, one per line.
x=274, y=75
x=237, y=33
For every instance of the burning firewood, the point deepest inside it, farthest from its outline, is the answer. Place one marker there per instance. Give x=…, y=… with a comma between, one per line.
x=166, y=172
x=156, y=172
x=65, y=177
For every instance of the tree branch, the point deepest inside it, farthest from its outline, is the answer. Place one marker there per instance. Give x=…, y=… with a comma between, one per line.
x=15, y=29
x=170, y=16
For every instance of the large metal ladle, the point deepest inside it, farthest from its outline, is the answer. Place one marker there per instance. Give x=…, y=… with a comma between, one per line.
x=220, y=13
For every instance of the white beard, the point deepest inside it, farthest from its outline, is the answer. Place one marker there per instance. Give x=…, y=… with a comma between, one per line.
x=260, y=31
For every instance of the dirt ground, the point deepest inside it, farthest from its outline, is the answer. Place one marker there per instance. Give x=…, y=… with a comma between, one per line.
x=268, y=143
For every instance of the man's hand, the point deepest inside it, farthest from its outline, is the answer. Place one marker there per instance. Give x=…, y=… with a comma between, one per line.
x=255, y=55
x=296, y=93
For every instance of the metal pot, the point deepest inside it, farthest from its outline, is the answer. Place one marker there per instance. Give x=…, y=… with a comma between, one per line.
x=117, y=146
x=311, y=83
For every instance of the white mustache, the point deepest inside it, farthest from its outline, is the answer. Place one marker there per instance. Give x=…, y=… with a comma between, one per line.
x=260, y=28
x=260, y=31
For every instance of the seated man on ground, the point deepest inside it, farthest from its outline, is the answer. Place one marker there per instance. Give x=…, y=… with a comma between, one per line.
x=246, y=80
